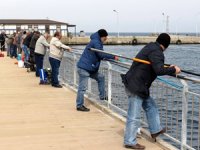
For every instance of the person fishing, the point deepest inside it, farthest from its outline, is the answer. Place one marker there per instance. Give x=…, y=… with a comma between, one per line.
x=137, y=82
x=56, y=53
x=88, y=67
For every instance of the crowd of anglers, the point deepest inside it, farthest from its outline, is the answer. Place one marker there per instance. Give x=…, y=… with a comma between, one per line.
x=137, y=80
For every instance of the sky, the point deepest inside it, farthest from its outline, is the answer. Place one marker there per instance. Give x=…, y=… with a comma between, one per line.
x=91, y=15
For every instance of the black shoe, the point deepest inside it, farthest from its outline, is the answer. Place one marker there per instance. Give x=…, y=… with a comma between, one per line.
x=104, y=98
x=83, y=108
x=57, y=86
x=43, y=83
x=154, y=136
x=137, y=146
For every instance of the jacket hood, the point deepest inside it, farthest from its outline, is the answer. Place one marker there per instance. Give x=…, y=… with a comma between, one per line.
x=95, y=36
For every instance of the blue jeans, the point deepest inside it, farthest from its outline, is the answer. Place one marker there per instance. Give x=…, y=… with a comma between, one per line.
x=13, y=50
x=55, y=65
x=134, y=116
x=8, y=50
x=26, y=52
x=83, y=82
x=39, y=63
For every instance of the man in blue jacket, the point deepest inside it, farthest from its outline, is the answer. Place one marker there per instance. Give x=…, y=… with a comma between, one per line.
x=88, y=67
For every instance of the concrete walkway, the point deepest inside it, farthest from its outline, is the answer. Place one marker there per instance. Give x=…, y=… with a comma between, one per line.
x=34, y=117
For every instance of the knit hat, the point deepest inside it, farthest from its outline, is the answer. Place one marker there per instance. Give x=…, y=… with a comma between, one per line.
x=102, y=33
x=164, y=39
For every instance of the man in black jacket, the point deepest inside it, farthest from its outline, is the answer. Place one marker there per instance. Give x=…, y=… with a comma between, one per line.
x=137, y=81
x=32, y=44
x=2, y=40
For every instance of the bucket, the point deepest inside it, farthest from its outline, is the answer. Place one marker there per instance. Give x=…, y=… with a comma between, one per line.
x=20, y=64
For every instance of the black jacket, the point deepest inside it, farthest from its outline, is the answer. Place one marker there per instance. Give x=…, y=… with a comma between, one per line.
x=27, y=40
x=139, y=78
x=33, y=41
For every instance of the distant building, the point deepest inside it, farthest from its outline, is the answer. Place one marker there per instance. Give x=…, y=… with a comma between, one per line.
x=14, y=25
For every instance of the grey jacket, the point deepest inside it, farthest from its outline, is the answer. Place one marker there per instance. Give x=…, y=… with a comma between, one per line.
x=41, y=45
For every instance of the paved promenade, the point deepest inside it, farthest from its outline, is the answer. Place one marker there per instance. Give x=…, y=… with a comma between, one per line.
x=34, y=117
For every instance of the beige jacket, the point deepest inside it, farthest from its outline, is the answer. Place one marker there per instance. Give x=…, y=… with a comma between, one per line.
x=57, y=49
x=41, y=45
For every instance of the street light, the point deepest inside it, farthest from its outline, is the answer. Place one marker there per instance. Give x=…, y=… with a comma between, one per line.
x=163, y=14
x=117, y=22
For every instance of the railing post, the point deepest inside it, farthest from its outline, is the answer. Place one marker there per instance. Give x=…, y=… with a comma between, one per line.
x=89, y=87
x=184, y=115
x=109, y=84
x=75, y=69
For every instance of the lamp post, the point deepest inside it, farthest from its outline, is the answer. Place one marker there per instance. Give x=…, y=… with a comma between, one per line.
x=117, y=22
x=163, y=14
x=197, y=15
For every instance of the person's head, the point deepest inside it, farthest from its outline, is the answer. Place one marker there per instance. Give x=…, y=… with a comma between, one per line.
x=164, y=40
x=24, y=32
x=58, y=35
x=103, y=34
x=46, y=35
x=37, y=33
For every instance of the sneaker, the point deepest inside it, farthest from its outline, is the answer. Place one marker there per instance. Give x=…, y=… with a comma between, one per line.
x=82, y=108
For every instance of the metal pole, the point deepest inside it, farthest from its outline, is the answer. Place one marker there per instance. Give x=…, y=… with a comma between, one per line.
x=109, y=84
x=163, y=14
x=117, y=22
x=75, y=58
x=184, y=115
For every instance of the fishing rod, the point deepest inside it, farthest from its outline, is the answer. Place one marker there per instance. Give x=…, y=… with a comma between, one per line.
x=125, y=65
x=140, y=60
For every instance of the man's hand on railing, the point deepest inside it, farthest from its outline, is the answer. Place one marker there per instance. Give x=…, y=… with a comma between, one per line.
x=118, y=59
x=70, y=49
x=178, y=70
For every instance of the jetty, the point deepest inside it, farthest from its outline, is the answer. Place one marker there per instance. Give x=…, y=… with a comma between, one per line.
x=133, y=40
x=38, y=117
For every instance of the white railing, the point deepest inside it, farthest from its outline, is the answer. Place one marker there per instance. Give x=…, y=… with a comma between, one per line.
x=179, y=108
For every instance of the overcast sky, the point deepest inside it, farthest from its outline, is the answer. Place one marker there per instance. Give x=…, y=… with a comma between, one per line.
x=90, y=15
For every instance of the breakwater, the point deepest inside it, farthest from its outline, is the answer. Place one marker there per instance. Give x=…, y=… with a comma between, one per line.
x=130, y=40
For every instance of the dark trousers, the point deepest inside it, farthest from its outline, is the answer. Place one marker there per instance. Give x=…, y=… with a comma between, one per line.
x=39, y=63
x=55, y=65
x=2, y=45
x=13, y=50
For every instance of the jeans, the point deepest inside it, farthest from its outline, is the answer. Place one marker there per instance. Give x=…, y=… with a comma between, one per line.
x=26, y=52
x=39, y=63
x=83, y=82
x=134, y=116
x=55, y=65
x=8, y=50
x=13, y=50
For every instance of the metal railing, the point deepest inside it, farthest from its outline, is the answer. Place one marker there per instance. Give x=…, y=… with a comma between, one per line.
x=179, y=108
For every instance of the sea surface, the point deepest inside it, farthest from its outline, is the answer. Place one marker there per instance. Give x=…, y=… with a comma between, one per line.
x=187, y=57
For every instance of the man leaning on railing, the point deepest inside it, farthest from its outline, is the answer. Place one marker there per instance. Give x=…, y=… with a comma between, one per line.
x=88, y=67
x=137, y=81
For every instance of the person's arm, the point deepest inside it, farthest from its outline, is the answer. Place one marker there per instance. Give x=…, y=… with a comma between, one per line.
x=157, y=61
x=102, y=55
x=45, y=43
x=61, y=45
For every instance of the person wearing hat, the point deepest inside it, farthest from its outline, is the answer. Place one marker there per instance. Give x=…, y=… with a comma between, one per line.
x=88, y=67
x=137, y=81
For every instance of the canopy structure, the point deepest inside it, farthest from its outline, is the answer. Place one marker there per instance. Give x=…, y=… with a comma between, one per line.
x=42, y=25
